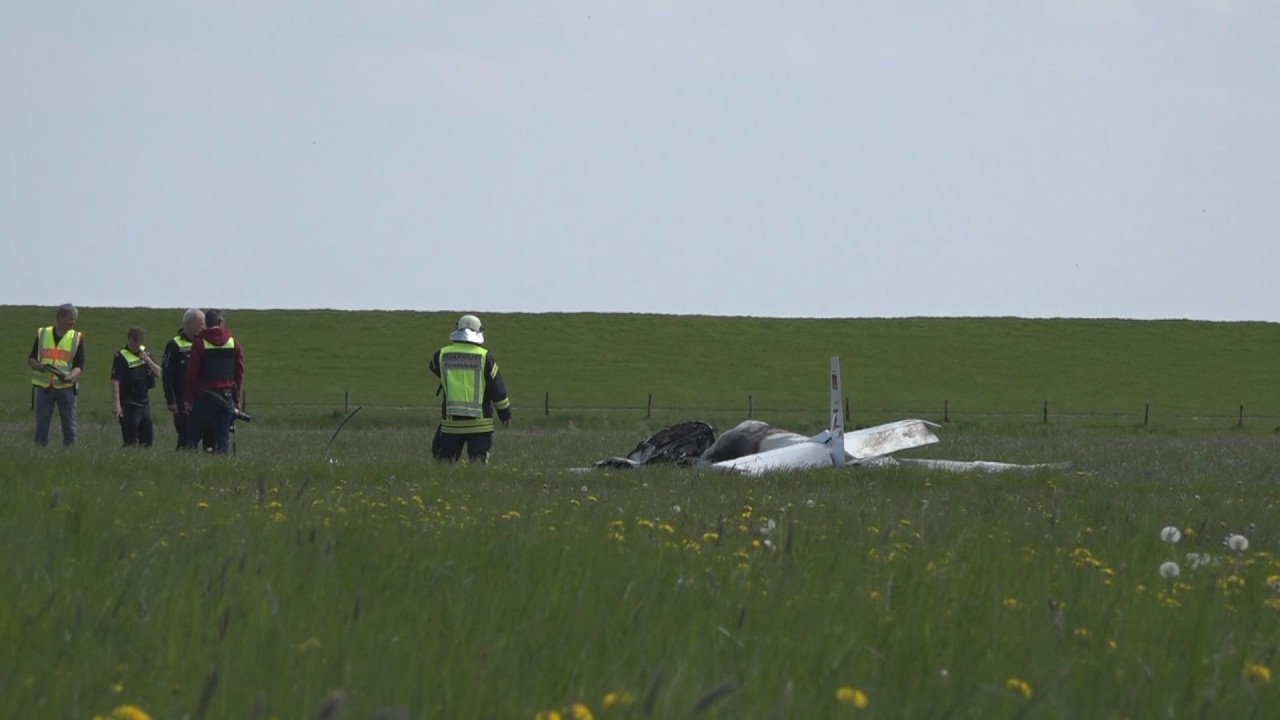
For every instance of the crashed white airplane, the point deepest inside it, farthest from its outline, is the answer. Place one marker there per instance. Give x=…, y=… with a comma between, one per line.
x=754, y=447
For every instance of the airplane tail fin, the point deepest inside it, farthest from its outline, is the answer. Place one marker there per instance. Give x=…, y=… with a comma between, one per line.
x=837, y=417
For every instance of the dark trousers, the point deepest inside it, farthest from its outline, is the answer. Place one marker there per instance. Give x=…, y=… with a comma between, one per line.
x=135, y=424
x=211, y=411
x=180, y=422
x=448, y=446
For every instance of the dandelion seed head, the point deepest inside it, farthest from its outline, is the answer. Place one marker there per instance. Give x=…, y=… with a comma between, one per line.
x=1169, y=569
x=1198, y=560
x=1171, y=535
x=1236, y=543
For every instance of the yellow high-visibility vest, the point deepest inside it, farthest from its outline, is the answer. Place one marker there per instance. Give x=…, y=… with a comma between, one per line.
x=55, y=354
x=462, y=375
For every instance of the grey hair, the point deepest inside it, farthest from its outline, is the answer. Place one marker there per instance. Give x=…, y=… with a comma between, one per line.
x=213, y=317
x=191, y=314
x=67, y=310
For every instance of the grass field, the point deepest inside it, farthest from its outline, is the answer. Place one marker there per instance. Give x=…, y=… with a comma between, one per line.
x=302, y=364
x=272, y=584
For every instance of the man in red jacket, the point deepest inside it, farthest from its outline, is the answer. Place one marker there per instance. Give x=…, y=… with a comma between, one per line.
x=215, y=381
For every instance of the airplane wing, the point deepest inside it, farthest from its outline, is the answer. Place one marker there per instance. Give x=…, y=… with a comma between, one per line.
x=982, y=466
x=816, y=451
x=801, y=456
x=889, y=438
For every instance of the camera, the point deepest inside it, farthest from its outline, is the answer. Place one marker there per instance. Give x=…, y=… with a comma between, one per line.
x=242, y=415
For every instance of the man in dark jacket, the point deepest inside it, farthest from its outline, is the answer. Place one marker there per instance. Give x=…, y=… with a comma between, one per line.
x=133, y=374
x=472, y=390
x=174, y=365
x=215, y=380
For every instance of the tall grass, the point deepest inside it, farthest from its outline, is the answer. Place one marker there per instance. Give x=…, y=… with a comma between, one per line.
x=269, y=583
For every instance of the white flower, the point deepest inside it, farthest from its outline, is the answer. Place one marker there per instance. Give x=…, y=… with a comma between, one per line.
x=809, y=503
x=675, y=509
x=1198, y=560
x=1169, y=569
x=1238, y=543
x=1171, y=535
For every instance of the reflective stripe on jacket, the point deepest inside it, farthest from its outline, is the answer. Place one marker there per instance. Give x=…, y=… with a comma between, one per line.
x=134, y=386
x=59, y=355
x=472, y=388
x=219, y=361
x=462, y=375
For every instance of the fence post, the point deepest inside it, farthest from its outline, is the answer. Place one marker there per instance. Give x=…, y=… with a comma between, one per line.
x=346, y=398
x=1240, y=422
x=648, y=409
x=1046, y=412
x=750, y=406
x=1146, y=414
x=946, y=410
x=546, y=403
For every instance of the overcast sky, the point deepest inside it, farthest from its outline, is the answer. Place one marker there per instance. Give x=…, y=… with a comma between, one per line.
x=1066, y=158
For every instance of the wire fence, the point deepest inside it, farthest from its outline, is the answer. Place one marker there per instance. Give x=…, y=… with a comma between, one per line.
x=1044, y=412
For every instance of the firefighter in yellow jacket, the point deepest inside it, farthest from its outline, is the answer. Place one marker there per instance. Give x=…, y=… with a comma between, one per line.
x=472, y=390
x=56, y=361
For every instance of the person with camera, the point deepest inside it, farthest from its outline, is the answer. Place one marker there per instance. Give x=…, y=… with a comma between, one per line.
x=133, y=374
x=214, y=383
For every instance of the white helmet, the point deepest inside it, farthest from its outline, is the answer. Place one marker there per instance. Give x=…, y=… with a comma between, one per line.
x=468, y=329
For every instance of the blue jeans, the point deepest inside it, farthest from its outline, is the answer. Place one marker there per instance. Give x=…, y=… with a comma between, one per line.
x=211, y=411
x=65, y=400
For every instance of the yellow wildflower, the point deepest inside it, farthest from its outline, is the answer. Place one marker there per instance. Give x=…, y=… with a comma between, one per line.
x=311, y=643
x=617, y=698
x=129, y=712
x=1255, y=673
x=202, y=506
x=547, y=715
x=852, y=696
x=1019, y=686
x=580, y=712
